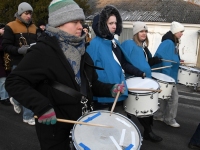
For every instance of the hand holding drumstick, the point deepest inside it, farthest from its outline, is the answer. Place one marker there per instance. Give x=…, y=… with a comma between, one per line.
x=116, y=90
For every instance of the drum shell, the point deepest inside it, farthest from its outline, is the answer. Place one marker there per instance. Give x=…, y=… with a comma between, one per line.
x=141, y=103
x=166, y=88
x=98, y=137
x=188, y=77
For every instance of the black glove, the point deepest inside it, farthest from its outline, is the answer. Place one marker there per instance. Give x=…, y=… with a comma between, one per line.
x=154, y=60
x=23, y=49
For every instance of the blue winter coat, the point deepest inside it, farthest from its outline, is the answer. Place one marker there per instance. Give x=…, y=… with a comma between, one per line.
x=100, y=50
x=136, y=56
x=166, y=50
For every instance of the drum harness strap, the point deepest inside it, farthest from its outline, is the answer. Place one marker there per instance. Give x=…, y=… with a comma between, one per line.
x=82, y=95
x=70, y=91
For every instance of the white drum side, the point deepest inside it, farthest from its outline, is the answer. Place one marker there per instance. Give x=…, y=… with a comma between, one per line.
x=188, y=76
x=141, y=103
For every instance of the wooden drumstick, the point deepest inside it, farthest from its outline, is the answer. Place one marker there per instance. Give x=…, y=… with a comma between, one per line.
x=168, y=60
x=161, y=67
x=186, y=63
x=79, y=122
x=141, y=89
x=115, y=101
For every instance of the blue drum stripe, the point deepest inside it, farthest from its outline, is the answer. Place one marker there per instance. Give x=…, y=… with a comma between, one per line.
x=129, y=147
x=93, y=117
x=84, y=146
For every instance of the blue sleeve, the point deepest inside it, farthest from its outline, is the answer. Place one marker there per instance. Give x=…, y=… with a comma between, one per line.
x=165, y=51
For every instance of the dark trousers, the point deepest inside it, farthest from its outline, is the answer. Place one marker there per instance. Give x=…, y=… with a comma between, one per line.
x=146, y=122
x=195, y=140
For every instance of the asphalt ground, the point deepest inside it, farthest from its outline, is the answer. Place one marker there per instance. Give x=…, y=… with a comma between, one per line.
x=16, y=135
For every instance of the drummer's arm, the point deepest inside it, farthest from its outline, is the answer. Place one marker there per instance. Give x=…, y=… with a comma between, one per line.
x=129, y=68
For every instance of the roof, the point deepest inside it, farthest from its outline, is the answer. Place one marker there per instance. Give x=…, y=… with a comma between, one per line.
x=150, y=10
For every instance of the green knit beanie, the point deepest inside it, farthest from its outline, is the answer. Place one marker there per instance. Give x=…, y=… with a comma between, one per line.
x=63, y=11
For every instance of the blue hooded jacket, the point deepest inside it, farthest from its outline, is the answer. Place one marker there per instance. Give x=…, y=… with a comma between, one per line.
x=137, y=57
x=167, y=50
x=100, y=50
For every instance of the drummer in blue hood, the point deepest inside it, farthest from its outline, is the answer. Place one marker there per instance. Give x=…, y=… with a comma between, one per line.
x=107, y=53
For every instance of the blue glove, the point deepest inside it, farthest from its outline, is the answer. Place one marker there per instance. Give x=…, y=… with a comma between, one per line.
x=48, y=118
x=23, y=49
x=116, y=88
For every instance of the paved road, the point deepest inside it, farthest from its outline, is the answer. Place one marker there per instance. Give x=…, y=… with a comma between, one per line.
x=16, y=135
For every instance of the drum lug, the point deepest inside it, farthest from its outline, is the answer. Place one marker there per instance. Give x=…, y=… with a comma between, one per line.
x=151, y=96
x=151, y=111
x=136, y=98
x=136, y=112
x=144, y=112
x=167, y=86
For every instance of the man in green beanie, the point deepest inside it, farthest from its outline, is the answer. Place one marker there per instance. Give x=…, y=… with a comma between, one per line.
x=56, y=78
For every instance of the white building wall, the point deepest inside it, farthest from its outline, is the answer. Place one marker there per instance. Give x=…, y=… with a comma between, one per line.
x=189, y=41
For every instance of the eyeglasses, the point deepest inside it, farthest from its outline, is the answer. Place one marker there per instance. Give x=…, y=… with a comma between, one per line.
x=28, y=12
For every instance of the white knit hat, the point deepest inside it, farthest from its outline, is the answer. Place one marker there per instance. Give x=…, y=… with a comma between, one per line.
x=139, y=26
x=24, y=6
x=176, y=27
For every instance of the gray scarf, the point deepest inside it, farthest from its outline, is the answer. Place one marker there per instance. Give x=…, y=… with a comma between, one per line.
x=72, y=46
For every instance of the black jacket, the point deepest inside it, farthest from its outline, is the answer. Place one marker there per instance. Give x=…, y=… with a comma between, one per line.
x=44, y=62
x=11, y=37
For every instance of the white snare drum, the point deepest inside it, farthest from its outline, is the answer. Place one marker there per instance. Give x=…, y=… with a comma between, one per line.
x=141, y=103
x=123, y=135
x=188, y=76
x=166, y=84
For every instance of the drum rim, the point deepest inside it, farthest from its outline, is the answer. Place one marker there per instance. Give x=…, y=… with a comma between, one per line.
x=73, y=129
x=163, y=81
x=189, y=70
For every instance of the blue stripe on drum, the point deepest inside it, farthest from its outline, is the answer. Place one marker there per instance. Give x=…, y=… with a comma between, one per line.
x=93, y=117
x=84, y=146
x=129, y=147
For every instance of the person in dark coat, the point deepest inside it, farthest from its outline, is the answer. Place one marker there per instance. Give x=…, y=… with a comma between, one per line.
x=41, y=26
x=3, y=73
x=19, y=35
x=195, y=139
x=57, y=78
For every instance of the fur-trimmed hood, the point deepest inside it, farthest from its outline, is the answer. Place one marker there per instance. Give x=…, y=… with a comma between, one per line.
x=99, y=22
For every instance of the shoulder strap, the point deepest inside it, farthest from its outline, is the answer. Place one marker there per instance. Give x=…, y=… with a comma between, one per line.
x=65, y=89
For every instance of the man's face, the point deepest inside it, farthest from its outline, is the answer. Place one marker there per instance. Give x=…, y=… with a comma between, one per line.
x=1, y=31
x=26, y=16
x=74, y=27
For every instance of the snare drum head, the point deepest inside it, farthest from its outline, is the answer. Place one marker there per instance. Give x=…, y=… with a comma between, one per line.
x=138, y=82
x=162, y=77
x=123, y=133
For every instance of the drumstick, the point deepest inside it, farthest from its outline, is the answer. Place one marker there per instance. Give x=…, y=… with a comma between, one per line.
x=168, y=60
x=161, y=67
x=115, y=101
x=79, y=122
x=138, y=89
x=186, y=63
